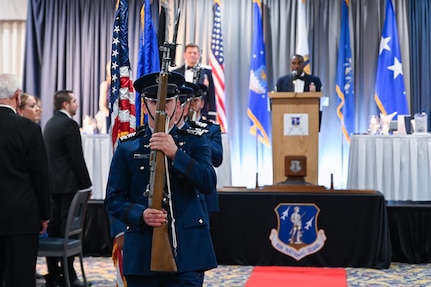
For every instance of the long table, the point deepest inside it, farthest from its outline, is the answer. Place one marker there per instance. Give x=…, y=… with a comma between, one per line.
x=354, y=223
x=399, y=166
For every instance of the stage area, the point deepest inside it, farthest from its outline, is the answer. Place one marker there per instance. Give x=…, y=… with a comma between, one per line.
x=362, y=230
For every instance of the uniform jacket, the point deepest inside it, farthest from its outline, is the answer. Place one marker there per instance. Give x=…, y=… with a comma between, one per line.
x=190, y=171
x=24, y=188
x=285, y=83
x=214, y=139
x=66, y=158
x=210, y=101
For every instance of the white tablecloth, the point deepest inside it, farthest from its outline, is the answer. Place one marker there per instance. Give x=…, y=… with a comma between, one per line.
x=98, y=154
x=398, y=166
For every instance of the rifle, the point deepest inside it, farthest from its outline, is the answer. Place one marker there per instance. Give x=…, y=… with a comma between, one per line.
x=162, y=258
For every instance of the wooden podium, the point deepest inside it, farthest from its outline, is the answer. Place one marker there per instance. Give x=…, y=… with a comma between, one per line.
x=295, y=131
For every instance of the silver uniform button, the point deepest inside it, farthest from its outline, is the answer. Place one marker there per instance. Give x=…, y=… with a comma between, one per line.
x=142, y=167
x=201, y=221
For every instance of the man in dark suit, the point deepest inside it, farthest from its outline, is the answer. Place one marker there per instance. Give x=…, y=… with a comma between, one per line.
x=69, y=174
x=299, y=81
x=194, y=72
x=303, y=81
x=24, y=189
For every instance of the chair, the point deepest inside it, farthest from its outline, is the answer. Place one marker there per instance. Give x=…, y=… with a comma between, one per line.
x=71, y=244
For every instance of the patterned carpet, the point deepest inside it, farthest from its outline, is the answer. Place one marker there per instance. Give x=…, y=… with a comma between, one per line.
x=100, y=272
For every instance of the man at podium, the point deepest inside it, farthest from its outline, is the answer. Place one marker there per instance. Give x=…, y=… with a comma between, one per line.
x=298, y=81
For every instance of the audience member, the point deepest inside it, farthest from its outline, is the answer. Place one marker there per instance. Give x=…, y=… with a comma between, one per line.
x=66, y=159
x=29, y=108
x=24, y=189
x=190, y=170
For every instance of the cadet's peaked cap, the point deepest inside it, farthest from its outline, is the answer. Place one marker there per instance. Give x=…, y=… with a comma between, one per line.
x=148, y=84
x=185, y=93
x=193, y=86
x=202, y=89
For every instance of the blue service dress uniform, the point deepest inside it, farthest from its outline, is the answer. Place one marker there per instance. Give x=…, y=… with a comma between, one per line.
x=190, y=171
x=214, y=140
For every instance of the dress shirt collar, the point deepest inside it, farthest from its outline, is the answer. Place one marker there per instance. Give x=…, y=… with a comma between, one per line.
x=7, y=106
x=66, y=113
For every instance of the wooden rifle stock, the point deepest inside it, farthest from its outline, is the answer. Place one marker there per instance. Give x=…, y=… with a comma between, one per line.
x=162, y=258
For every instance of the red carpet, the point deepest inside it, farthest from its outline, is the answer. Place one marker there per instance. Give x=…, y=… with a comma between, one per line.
x=275, y=276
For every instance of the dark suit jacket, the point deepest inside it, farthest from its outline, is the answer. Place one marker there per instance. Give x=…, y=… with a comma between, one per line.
x=210, y=101
x=69, y=172
x=285, y=83
x=24, y=187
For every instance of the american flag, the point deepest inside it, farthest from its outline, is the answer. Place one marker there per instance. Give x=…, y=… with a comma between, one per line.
x=217, y=65
x=122, y=99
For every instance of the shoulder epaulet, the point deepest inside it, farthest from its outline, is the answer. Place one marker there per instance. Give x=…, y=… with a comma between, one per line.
x=197, y=124
x=209, y=121
x=133, y=135
x=193, y=131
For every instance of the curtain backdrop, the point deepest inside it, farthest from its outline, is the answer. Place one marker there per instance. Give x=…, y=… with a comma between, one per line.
x=68, y=45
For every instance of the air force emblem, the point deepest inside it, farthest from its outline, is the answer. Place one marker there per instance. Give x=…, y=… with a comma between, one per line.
x=295, y=121
x=297, y=235
x=295, y=124
x=295, y=166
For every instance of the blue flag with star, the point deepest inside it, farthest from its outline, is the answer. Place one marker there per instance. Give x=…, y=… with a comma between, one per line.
x=390, y=90
x=345, y=87
x=258, y=105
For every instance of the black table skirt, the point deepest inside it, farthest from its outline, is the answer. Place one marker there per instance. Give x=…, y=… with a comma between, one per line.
x=355, y=225
x=410, y=226
x=97, y=238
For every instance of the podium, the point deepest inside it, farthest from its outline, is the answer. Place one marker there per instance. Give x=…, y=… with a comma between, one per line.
x=295, y=131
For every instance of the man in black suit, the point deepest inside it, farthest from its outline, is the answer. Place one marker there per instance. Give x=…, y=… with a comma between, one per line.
x=194, y=72
x=24, y=188
x=298, y=80
x=69, y=174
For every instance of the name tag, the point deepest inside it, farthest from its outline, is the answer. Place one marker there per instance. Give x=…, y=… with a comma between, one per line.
x=141, y=155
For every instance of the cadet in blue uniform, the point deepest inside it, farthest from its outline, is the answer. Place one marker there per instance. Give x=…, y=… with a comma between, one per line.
x=184, y=96
x=214, y=138
x=190, y=170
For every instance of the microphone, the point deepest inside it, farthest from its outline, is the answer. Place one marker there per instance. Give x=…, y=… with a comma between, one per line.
x=295, y=74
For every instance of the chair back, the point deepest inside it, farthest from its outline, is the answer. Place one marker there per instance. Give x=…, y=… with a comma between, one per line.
x=76, y=216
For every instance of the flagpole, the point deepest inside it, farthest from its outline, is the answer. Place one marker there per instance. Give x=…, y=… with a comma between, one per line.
x=257, y=160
